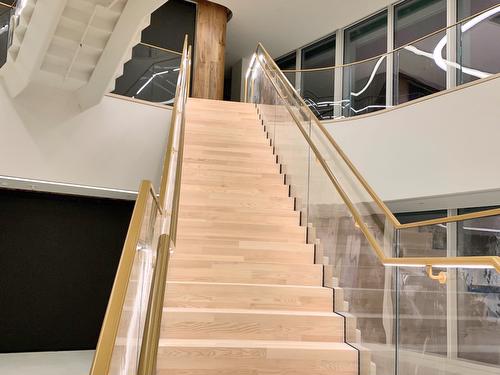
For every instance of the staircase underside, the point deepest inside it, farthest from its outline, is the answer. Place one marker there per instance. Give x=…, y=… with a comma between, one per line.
x=77, y=47
x=243, y=293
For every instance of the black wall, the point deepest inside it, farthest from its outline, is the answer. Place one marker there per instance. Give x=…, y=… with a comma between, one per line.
x=170, y=23
x=58, y=258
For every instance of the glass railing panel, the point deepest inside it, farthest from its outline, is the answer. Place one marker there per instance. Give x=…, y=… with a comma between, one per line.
x=423, y=241
x=364, y=87
x=126, y=351
x=5, y=15
x=292, y=150
x=317, y=89
x=151, y=74
x=478, y=291
x=478, y=55
x=364, y=288
x=292, y=77
x=420, y=68
x=372, y=215
x=422, y=323
x=450, y=328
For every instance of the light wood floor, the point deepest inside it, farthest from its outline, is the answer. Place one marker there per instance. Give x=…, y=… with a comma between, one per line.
x=244, y=296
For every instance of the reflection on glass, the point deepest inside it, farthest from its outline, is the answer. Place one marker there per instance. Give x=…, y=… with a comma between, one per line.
x=478, y=55
x=288, y=62
x=401, y=320
x=417, y=74
x=426, y=241
x=5, y=13
x=467, y=8
x=365, y=83
x=317, y=87
x=150, y=75
x=478, y=299
x=125, y=356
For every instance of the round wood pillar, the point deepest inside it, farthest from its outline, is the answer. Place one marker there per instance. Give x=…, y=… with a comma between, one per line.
x=208, y=71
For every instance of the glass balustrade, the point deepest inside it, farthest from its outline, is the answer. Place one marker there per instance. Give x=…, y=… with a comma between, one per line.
x=151, y=74
x=442, y=59
x=127, y=347
x=399, y=316
x=6, y=13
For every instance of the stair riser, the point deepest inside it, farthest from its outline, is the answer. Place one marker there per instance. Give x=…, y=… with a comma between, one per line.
x=248, y=326
x=254, y=361
x=249, y=245
x=276, y=191
x=251, y=273
x=248, y=297
x=236, y=255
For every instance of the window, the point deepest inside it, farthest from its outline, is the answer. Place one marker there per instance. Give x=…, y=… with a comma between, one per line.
x=288, y=62
x=318, y=86
x=478, y=55
x=417, y=73
x=365, y=83
x=467, y=8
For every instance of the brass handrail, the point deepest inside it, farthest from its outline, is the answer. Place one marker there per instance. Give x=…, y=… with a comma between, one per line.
x=167, y=241
x=161, y=48
x=484, y=261
x=150, y=338
x=110, y=325
x=7, y=5
x=377, y=57
x=170, y=146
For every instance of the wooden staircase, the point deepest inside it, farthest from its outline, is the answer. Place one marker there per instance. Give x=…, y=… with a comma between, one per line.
x=244, y=296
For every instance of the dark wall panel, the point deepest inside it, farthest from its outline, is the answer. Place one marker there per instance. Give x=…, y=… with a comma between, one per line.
x=58, y=258
x=170, y=23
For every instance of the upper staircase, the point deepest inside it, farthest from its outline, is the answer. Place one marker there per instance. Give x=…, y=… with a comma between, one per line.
x=243, y=293
x=75, y=46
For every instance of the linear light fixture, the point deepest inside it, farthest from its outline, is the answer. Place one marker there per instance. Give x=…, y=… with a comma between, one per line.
x=64, y=184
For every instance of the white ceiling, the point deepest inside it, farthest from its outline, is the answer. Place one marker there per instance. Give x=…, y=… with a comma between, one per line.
x=284, y=25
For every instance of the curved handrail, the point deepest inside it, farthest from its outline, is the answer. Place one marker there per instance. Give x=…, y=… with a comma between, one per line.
x=487, y=262
x=393, y=51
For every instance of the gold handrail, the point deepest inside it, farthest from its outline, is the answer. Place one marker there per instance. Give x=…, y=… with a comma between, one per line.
x=7, y=5
x=170, y=146
x=109, y=330
x=488, y=261
x=161, y=48
x=150, y=340
x=377, y=57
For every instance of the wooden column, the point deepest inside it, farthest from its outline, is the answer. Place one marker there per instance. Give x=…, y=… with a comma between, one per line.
x=211, y=22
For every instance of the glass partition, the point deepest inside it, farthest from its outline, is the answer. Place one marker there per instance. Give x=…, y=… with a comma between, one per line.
x=450, y=328
x=151, y=74
x=402, y=318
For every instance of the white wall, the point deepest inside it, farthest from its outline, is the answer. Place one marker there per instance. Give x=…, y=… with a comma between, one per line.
x=47, y=363
x=448, y=145
x=115, y=144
